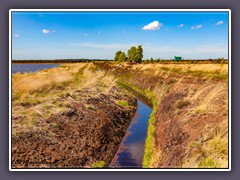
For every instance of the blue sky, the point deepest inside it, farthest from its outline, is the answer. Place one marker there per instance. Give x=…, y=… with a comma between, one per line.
x=98, y=35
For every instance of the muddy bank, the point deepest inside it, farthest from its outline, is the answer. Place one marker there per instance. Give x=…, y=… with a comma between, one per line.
x=87, y=131
x=191, y=119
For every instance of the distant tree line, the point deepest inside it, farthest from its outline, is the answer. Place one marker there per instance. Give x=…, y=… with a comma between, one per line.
x=134, y=54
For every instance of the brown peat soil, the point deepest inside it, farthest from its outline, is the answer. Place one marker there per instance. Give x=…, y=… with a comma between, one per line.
x=75, y=116
x=189, y=126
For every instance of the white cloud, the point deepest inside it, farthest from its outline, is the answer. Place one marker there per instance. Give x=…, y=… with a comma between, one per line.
x=219, y=23
x=45, y=31
x=196, y=27
x=155, y=25
x=17, y=35
x=180, y=25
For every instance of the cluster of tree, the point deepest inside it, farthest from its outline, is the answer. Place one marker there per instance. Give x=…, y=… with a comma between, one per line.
x=134, y=54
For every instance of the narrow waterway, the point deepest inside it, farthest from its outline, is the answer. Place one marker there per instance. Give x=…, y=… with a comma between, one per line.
x=131, y=150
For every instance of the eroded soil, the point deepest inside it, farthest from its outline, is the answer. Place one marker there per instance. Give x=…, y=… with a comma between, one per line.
x=191, y=119
x=89, y=130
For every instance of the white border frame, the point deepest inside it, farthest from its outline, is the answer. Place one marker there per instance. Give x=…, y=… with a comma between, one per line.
x=121, y=10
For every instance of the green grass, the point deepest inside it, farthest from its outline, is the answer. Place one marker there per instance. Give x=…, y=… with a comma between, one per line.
x=208, y=163
x=150, y=137
x=99, y=164
x=55, y=125
x=123, y=103
x=88, y=106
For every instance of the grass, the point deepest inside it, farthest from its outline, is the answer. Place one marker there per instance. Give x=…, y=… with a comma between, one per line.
x=123, y=103
x=88, y=106
x=212, y=149
x=99, y=164
x=202, y=98
x=150, y=137
x=148, y=152
x=55, y=125
x=182, y=104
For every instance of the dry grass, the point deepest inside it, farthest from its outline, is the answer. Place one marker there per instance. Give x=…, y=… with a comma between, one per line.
x=206, y=97
x=37, y=96
x=23, y=84
x=211, y=151
x=222, y=68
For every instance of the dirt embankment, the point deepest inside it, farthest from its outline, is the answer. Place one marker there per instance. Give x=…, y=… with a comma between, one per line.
x=191, y=119
x=72, y=124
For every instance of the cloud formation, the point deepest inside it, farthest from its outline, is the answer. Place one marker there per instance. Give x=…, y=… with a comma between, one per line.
x=180, y=25
x=45, y=31
x=219, y=23
x=155, y=25
x=196, y=27
x=17, y=35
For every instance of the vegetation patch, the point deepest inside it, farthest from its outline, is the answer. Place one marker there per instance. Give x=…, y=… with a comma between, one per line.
x=123, y=103
x=99, y=164
x=182, y=104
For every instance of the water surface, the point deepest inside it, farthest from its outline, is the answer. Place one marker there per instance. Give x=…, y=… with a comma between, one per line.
x=25, y=68
x=131, y=150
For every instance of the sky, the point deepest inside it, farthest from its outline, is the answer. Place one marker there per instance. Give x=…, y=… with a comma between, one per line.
x=98, y=35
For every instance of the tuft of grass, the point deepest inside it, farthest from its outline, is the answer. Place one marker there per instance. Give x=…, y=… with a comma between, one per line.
x=55, y=125
x=34, y=121
x=212, y=149
x=182, y=104
x=88, y=106
x=99, y=164
x=208, y=163
x=123, y=103
x=16, y=95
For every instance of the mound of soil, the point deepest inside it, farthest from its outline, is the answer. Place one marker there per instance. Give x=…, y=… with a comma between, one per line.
x=86, y=133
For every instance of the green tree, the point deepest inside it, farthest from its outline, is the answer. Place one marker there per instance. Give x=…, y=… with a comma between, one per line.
x=117, y=54
x=131, y=54
x=122, y=57
x=139, y=54
x=151, y=59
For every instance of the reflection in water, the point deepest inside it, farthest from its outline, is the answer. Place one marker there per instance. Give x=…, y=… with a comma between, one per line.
x=131, y=150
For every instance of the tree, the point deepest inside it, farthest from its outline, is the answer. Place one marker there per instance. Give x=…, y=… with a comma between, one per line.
x=131, y=54
x=117, y=54
x=122, y=57
x=139, y=54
